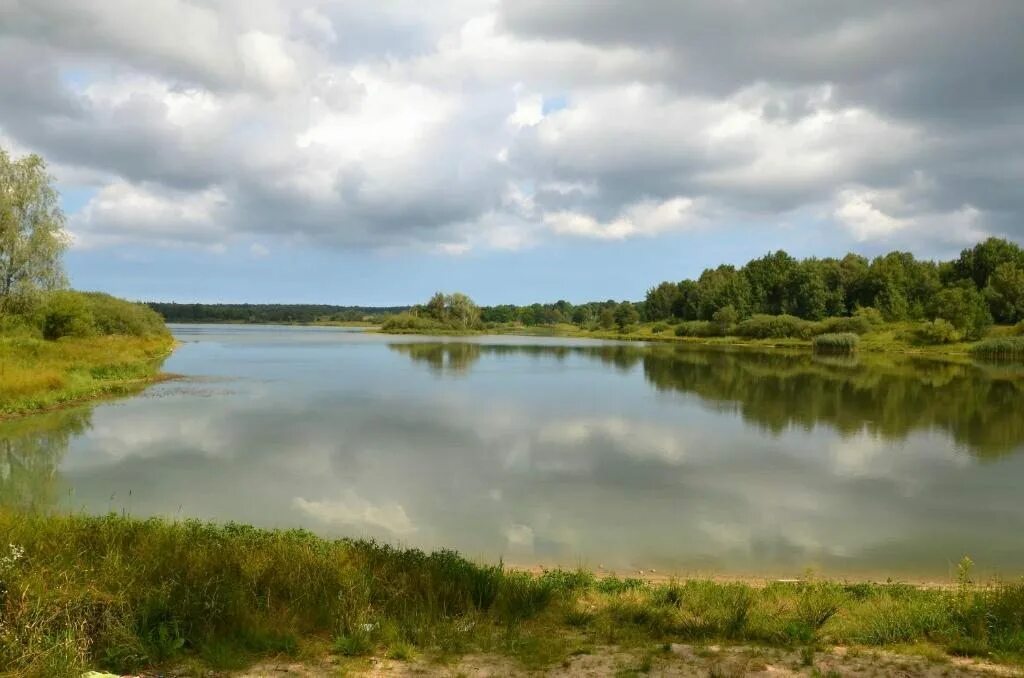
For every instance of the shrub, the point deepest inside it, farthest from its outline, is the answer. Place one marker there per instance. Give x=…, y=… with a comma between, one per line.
x=774, y=327
x=1018, y=329
x=117, y=316
x=836, y=343
x=658, y=328
x=857, y=324
x=409, y=322
x=697, y=328
x=872, y=315
x=67, y=314
x=937, y=331
x=724, y=318
x=1002, y=348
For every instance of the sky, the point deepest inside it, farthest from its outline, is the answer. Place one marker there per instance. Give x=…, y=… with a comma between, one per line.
x=375, y=152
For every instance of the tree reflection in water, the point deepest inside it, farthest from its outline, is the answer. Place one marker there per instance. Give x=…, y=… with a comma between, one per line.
x=979, y=406
x=31, y=450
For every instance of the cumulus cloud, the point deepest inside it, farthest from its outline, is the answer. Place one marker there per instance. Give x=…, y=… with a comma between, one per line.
x=643, y=218
x=499, y=125
x=353, y=510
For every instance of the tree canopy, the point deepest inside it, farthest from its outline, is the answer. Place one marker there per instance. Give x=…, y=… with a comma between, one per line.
x=32, y=236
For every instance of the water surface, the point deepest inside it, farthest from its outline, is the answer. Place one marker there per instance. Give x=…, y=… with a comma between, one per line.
x=557, y=452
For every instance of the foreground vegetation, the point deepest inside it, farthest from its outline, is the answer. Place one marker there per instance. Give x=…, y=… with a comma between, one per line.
x=121, y=594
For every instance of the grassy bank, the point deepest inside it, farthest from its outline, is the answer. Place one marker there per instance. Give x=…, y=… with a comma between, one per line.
x=36, y=374
x=79, y=592
x=882, y=338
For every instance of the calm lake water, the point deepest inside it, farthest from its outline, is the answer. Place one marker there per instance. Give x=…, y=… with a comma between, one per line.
x=558, y=452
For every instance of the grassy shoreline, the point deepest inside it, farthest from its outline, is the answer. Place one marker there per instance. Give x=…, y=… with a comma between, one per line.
x=122, y=594
x=885, y=339
x=38, y=375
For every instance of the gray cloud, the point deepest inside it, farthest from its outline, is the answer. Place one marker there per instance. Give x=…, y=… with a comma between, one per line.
x=479, y=125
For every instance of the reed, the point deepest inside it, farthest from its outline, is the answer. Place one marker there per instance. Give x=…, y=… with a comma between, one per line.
x=839, y=343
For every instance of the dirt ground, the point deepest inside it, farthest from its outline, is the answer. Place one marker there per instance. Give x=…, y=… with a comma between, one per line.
x=676, y=660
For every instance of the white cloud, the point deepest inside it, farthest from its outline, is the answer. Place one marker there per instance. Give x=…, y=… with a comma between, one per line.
x=353, y=124
x=123, y=212
x=857, y=212
x=353, y=510
x=888, y=216
x=643, y=218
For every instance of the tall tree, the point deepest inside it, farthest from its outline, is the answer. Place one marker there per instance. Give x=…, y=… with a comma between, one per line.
x=32, y=236
x=769, y=279
x=660, y=301
x=1005, y=293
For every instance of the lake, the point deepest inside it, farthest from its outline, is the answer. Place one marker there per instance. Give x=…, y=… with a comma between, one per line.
x=537, y=451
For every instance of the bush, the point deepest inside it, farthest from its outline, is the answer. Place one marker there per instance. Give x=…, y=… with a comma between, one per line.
x=937, y=331
x=410, y=322
x=858, y=324
x=658, y=328
x=836, y=343
x=117, y=316
x=697, y=328
x=725, y=318
x=774, y=327
x=1018, y=329
x=872, y=315
x=1002, y=348
x=67, y=314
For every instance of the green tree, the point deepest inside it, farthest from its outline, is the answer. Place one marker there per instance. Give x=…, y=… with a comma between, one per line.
x=626, y=316
x=435, y=307
x=461, y=312
x=981, y=261
x=965, y=308
x=32, y=236
x=660, y=301
x=769, y=279
x=812, y=291
x=687, y=304
x=724, y=318
x=1005, y=293
x=902, y=287
x=854, y=276
x=723, y=286
x=606, y=318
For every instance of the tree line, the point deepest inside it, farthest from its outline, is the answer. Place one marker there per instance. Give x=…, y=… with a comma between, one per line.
x=987, y=280
x=984, y=284
x=269, y=313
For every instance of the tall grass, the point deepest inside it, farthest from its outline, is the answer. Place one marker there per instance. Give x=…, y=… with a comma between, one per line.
x=111, y=592
x=1000, y=348
x=842, y=343
x=36, y=374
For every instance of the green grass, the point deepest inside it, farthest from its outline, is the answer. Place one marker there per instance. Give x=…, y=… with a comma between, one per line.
x=120, y=594
x=890, y=337
x=36, y=374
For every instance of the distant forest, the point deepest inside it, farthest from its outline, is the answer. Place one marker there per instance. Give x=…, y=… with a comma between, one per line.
x=984, y=284
x=269, y=313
